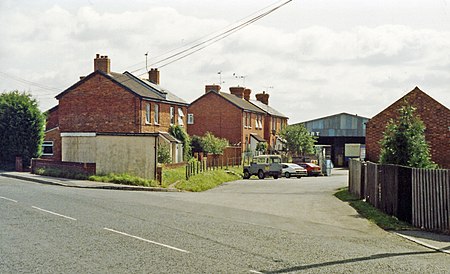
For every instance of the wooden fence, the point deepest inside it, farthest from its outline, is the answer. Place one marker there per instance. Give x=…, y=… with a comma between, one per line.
x=417, y=196
x=211, y=163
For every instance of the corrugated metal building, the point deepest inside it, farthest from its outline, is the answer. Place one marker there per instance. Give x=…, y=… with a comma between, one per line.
x=338, y=130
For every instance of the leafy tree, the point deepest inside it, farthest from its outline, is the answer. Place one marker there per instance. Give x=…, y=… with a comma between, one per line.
x=404, y=141
x=262, y=147
x=181, y=134
x=212, y=144
x=164, y=156
x=298, y=140
x=196, y=144
x=21, y=127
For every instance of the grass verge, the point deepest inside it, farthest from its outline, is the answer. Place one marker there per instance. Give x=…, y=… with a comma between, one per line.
x=202, y=181
x=371, y=213
x=123, y=179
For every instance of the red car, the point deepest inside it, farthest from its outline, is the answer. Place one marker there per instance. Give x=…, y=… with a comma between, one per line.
x=312, y=169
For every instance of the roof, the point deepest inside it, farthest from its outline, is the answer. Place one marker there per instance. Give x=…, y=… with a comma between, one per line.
x=239, y=102
x=330, y=116
x=141, y=87
x=414, y=95
x=169, y=137
x=257, y=137
x=268, y=109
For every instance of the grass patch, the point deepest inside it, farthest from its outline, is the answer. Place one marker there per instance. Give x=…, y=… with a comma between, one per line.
x=123, y=179
x=173, y=175
x=371, y=213
x=61, y=173
x=207, y=180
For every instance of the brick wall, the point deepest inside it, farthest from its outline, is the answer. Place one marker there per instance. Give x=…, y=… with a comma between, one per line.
x=215, y=114
x=164, y=116
x=435, y=116
x=84, y=168
x=52, y=118
x=98, y=105
x=54, y=136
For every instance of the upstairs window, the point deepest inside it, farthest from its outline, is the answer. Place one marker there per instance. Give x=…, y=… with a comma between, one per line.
x=180, y=117
x=156, y=114
x=172, y=115
x=190, y=119
x=147, y=113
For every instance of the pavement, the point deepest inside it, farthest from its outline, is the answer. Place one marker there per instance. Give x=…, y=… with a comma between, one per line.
x=79, y=183
x=434, y=241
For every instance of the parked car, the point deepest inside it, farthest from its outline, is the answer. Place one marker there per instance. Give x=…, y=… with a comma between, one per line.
x=264, y=165
x=312, y=169
x=290, y=169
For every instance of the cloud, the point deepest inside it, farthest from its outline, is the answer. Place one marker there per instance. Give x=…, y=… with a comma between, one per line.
x=314, y=70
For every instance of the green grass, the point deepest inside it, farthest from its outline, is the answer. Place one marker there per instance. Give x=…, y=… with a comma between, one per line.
x=371, y=213
x=207, y=180
x=123, y=179
x=202, y=181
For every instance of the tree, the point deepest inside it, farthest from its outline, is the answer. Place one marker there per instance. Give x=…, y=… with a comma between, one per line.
x=404, y=141
x=164, y=156
x=262, y=147
x=181, y=134
x=212, y=144
x=298, y=140
x=21, y=127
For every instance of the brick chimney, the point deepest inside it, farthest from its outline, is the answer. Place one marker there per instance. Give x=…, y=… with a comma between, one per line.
x=263, y=97
x=215, y=88
x=247, y=92
x=102, y=63
x=238, y=91
x=153, y=76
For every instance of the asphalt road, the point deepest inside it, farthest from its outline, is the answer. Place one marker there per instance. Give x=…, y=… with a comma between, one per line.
x=248, y=226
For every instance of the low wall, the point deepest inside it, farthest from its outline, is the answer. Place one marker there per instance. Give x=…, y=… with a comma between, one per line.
x=84, y=168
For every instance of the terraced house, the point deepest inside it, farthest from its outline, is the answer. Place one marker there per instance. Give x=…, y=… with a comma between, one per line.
x=106, y=103
x=237, y=118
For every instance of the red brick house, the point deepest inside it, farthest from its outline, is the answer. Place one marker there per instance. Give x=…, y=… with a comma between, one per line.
x=233, y=116
x=435, y=116
x=110, y=102
x=274, y=122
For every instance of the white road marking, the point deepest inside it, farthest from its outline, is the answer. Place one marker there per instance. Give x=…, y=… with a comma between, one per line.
x=145, y=240
x=11, y=200
x=54, y=213
x=254, y=271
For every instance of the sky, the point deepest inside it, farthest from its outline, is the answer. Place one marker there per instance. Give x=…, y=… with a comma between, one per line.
x=315, y=58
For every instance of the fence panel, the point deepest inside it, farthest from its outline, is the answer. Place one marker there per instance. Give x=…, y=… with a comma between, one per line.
x=354, y=178
x=431, y=199
x=388, y=189
x=371, y=185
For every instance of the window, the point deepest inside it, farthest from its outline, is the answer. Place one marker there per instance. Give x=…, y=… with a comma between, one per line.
x=147, y=113
x=180, y=116
x=190, y=119
x=156, y=114
x=172, y=115
x=47, y=148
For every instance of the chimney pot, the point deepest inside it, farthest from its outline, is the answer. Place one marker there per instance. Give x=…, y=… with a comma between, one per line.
x=214, y=88
x=153, y=76
x=263, y=97
x=238, y=91
x=102, y=63
x=247, y=92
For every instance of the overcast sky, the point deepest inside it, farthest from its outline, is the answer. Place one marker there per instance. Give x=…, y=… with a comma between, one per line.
x=315, y=57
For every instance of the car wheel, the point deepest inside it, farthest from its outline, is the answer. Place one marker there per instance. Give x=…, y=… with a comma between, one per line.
x=261, y=174
x=275, y=176
x=299, y=177
x=246, y=174
x=287, y=174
